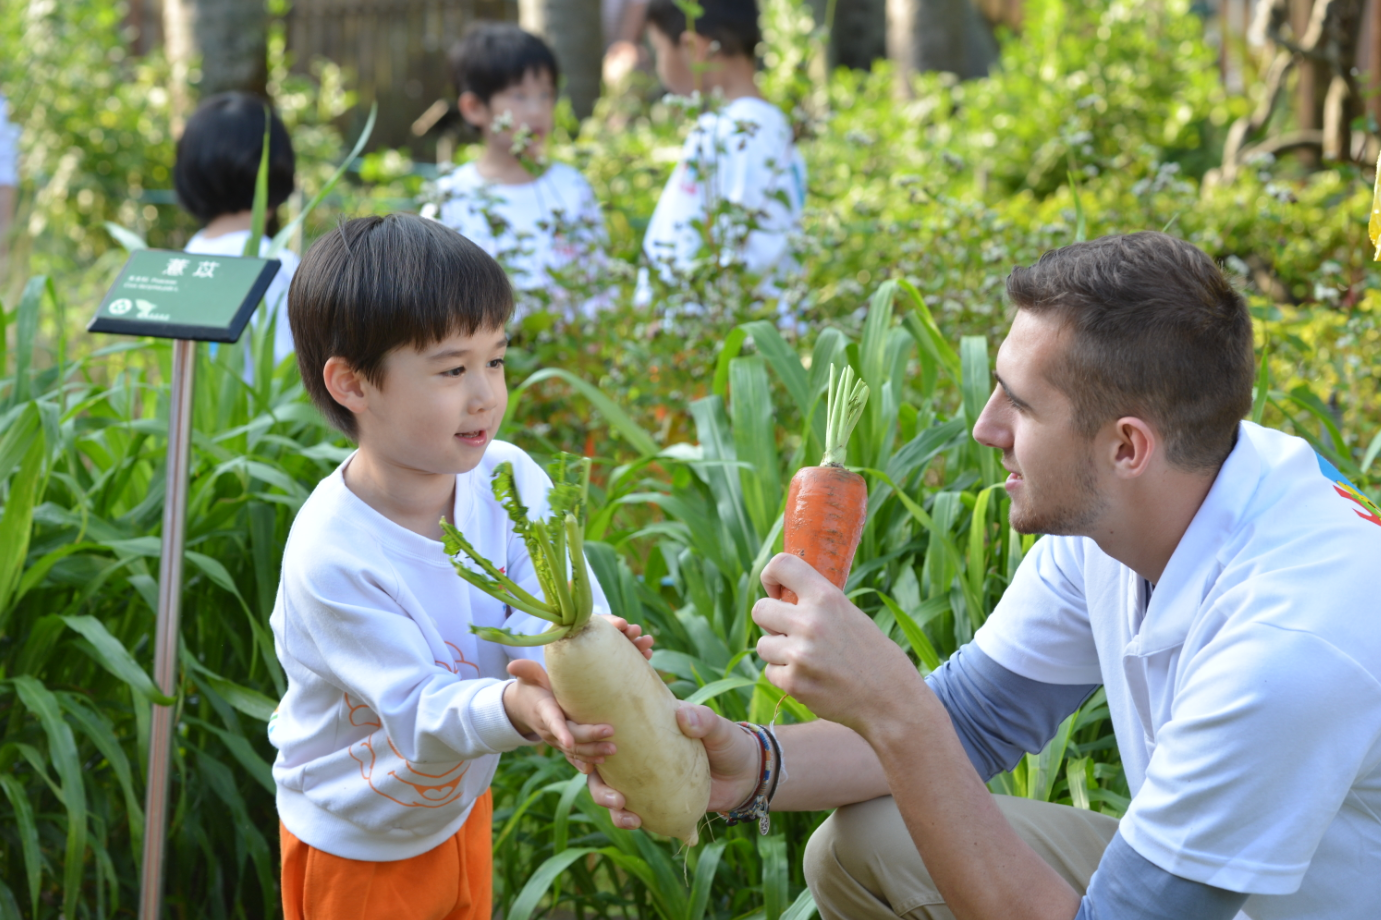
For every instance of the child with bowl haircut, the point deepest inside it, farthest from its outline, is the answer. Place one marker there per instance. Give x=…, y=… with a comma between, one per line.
x=396, y=713
x=536, y=218
x=216, y=170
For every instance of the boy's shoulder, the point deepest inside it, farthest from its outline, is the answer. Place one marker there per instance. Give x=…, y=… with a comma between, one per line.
x=332, y=532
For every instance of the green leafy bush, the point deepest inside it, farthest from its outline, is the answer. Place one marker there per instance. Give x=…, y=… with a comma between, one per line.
x=1103, y=118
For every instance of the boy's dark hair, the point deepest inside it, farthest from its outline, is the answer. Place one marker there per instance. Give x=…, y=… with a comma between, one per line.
x=379, y=283
x=495, y=55
x=218, y=156
x=732, y=23
x=1157, y=332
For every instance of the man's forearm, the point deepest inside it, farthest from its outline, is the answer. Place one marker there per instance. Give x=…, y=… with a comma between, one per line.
x=827, y=765
x=981, y=866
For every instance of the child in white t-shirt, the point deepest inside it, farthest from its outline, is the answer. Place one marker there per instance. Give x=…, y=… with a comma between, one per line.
x=396, y=712
x=741, y=154
x=537, y=220
x=217, y=166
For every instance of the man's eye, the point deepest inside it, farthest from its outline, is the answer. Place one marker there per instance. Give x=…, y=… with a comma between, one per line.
x=454, y=372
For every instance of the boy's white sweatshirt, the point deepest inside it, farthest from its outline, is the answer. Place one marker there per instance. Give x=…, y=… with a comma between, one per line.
x=394, y=717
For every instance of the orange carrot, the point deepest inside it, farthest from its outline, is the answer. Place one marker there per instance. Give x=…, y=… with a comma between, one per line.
x=827, y=505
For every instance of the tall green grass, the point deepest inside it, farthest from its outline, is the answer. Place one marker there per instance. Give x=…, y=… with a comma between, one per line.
x=681, y=539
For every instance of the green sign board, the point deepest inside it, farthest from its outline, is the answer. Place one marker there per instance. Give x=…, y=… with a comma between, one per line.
x=184, y=295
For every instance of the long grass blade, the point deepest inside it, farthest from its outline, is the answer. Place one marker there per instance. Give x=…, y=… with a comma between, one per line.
x=111, y=654
x=16, y=523
x=703, y=883
x=62, y=752
x=803, y=908
x=259, y=208
x=26, y=336
x=718, y=688
x=27, y=830
x=537, y=886
x=619, y=420
x=281, y=239
x=772, y=852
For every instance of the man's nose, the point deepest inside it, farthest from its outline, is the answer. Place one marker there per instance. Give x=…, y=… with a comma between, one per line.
x=991, y=428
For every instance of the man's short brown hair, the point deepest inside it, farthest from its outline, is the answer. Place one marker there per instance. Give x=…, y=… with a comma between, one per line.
x=378, y=283
x=1156, y=332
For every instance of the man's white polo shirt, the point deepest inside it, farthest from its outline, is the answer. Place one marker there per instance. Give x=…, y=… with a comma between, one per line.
x=1246, y=697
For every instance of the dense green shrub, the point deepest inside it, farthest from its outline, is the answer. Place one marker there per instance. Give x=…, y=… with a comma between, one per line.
x=1103, y=118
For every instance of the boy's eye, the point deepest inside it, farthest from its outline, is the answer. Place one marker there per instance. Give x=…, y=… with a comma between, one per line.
x=454, y=372
x=497, y=362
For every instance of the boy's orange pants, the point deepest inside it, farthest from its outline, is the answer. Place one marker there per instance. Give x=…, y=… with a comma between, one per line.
x=453, y=881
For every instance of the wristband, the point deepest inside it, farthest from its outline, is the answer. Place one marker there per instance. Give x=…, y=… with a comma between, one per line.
x=757, y=807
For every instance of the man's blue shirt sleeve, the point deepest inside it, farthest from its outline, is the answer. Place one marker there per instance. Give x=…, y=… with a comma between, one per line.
x=1128, y=886
x=998, y=714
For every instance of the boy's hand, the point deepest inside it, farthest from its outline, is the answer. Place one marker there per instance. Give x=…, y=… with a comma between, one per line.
x=634, y=632
x=535, y=714
x=533, y=709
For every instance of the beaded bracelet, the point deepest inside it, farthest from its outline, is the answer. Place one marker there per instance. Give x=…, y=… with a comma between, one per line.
x=757, y=808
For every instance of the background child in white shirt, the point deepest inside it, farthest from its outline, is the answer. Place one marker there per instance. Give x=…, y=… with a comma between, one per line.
x=739, y=172
x=217, y=166
x=396, y=712
x=537, y=219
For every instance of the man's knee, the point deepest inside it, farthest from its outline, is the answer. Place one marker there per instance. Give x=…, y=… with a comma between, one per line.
x=849, y=840
x=861, y=863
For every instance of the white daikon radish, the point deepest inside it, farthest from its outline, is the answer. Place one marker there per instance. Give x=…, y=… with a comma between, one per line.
x=597, y=675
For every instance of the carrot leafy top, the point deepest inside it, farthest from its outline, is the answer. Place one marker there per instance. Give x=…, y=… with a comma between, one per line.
x=844, y=402
x=550, y=542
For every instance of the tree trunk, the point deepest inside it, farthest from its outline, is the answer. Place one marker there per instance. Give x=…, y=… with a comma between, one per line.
x=948, y=35
x=860, y=33
x=229, y=37
x=574, y=31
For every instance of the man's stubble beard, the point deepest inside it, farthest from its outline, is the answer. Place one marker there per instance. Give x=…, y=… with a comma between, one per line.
x=1072, y=516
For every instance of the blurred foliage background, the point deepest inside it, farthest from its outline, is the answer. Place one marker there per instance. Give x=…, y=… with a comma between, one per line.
x=1101, y=118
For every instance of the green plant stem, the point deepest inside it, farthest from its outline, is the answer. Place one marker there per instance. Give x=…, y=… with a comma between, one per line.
x=844, y=402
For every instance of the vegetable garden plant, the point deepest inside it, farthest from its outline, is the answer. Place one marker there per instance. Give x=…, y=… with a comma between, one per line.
x=917, y=209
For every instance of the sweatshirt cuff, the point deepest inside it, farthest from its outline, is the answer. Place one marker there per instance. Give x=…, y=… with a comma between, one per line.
x=491, y=721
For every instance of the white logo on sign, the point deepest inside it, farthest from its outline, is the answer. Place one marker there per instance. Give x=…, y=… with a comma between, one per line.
x=145, y=308
x=177, y=266
x=121, y=306
x=205, y=270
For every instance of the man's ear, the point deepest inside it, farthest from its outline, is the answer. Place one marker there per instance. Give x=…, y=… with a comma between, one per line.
x=474, y=110
x=345, y=384
x=1133, y=447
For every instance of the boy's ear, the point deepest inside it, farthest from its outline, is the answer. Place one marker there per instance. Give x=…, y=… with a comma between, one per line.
x=473, y=110
x=345, y=384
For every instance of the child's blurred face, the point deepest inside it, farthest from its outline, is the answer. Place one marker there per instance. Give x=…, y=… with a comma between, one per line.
x=531, y=102
x=673, y=62
x=439, y=407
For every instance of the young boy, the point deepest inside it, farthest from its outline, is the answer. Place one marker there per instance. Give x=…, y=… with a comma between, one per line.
x=743, y=153
x=395, y=712
x=215, y=174
x=536, y=220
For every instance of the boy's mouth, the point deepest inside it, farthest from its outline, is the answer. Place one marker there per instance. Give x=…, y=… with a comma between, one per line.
x=476, y=438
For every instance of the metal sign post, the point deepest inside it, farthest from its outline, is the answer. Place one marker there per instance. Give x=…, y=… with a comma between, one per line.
x=186, y=298
x=165, y=637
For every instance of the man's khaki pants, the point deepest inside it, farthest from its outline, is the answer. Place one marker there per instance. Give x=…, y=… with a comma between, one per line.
x=862, y=865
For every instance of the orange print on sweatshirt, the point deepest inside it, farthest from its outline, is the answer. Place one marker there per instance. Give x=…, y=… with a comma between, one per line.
x=393, y=776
